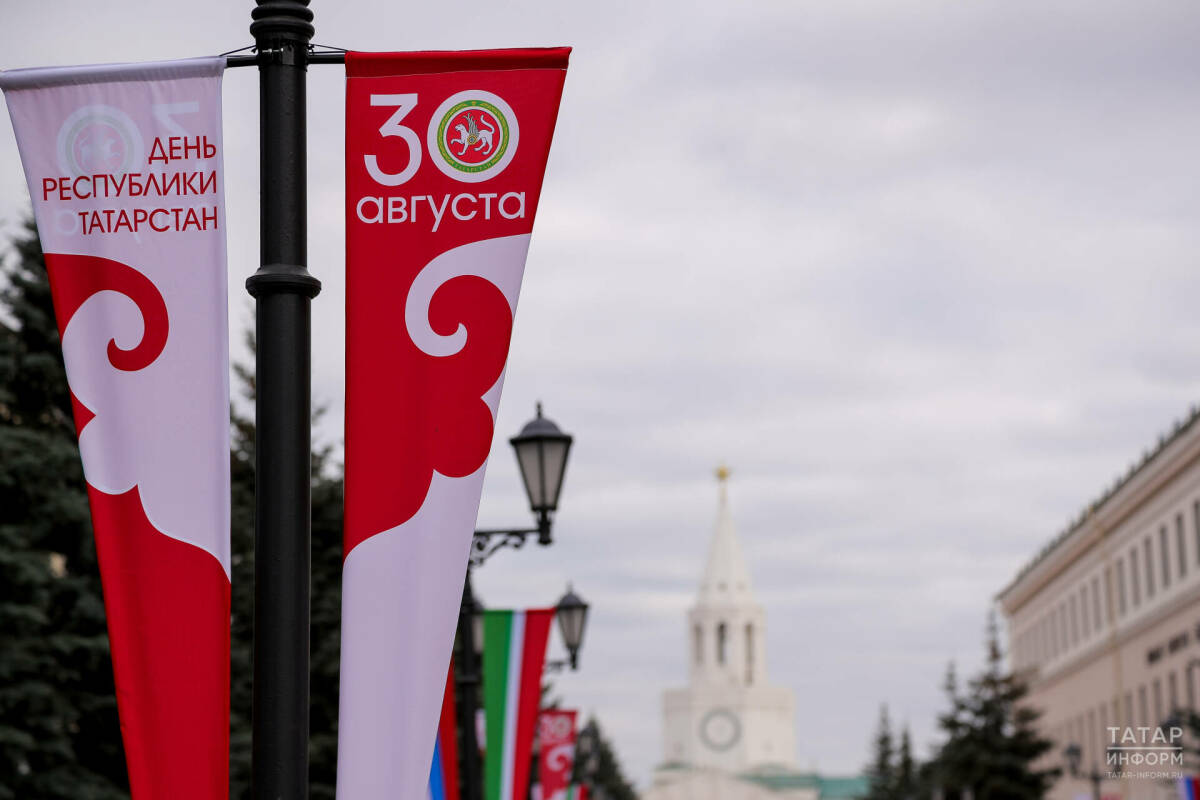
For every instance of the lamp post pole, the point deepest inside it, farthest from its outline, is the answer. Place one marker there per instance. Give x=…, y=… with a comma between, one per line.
x=467, y=680
x=1074, y=754
x=468, y=676
x=283, y=290
x=541, y=449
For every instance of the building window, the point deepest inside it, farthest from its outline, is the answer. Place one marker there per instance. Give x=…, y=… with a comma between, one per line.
x=1074, y=621
x=1134, y=584
x=1143, y=707
x=1121, y=586
x=1172, y=692
x=1164, y=552
x=1196, y=525
x=1091, y=734
x=1147, y=548
x=1098, y=615
x=1158, y=706
x=749, y=654
x=698, y=644
x=1084, y=611
x=1062, y=629
x=721, y=643
x=1102, y=751
x=1128, y=709
x=1179, y=541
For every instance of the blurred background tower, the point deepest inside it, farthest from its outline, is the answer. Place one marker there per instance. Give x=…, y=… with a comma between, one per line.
x=730, y=734
x=728, y=717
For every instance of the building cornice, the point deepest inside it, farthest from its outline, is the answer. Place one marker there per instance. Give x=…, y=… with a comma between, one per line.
x=1127, y=496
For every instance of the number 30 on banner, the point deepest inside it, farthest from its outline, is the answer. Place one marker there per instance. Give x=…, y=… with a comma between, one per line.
x=472, y=137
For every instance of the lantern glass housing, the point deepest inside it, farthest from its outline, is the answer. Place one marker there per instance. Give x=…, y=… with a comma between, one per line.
x=1074, y=755
x=477, y=629
x=572, y=619
x=542, y=449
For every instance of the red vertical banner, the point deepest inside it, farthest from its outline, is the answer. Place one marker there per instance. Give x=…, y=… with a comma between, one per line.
x=445, y=154
x=123, y=163
x=443, y=775
x=556, y=752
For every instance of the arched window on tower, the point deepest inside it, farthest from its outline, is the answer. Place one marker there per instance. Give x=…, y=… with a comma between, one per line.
x=698, y=644
x=749, y=653
x=721, y=637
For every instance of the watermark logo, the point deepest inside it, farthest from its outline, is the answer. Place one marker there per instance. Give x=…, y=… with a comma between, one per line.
x=98, y=139
x=1145, y=752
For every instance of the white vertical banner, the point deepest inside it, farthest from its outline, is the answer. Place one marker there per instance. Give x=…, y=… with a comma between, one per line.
x=123, y=163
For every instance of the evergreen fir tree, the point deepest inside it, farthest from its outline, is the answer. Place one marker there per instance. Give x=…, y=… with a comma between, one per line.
x=906, y=769
x=59, y=735
x=600, y=769
x=59, y=731
x=992, y=743
x=327, y=484
x=882, y=771
x=241, y=471
x=327, y=498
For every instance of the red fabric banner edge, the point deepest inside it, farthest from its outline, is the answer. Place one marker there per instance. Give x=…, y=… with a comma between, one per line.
x=424, y=62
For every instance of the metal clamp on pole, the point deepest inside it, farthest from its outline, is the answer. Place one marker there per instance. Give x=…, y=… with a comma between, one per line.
x=283, y=289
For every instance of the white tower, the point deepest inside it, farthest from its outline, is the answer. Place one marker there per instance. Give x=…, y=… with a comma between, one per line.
x=728, y=718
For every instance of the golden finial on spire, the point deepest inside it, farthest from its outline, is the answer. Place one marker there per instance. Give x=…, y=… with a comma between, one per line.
x=723, y=473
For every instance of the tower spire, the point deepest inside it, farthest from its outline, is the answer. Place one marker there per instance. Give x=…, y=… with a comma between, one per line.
x=726, y=579
x=723, y=472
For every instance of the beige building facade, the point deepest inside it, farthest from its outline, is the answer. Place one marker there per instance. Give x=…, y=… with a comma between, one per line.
x=1105, y=626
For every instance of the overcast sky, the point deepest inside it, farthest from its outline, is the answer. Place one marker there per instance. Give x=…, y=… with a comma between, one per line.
x=923, y=273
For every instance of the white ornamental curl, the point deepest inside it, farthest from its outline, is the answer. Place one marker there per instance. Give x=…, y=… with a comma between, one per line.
x=499, y=261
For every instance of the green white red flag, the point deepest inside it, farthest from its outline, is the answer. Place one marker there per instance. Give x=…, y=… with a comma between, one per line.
x=514, y=654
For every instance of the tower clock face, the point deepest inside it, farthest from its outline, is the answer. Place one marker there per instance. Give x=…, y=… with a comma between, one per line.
x=720, y=729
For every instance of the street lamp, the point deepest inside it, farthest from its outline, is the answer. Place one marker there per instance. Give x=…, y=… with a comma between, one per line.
x=542, y=449
x=587, y=758
x=1074, y=754
x=572, y=617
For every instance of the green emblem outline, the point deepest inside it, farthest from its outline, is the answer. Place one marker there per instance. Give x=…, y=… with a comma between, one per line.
x=501, y=148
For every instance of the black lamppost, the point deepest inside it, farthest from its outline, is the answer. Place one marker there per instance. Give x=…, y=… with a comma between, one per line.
x=571, y=613
x=588, y=758
x=283, y=290
x=541, y=449
x=1074, y=754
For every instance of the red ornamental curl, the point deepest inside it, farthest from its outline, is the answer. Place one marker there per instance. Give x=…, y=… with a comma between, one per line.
x=75, y=278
